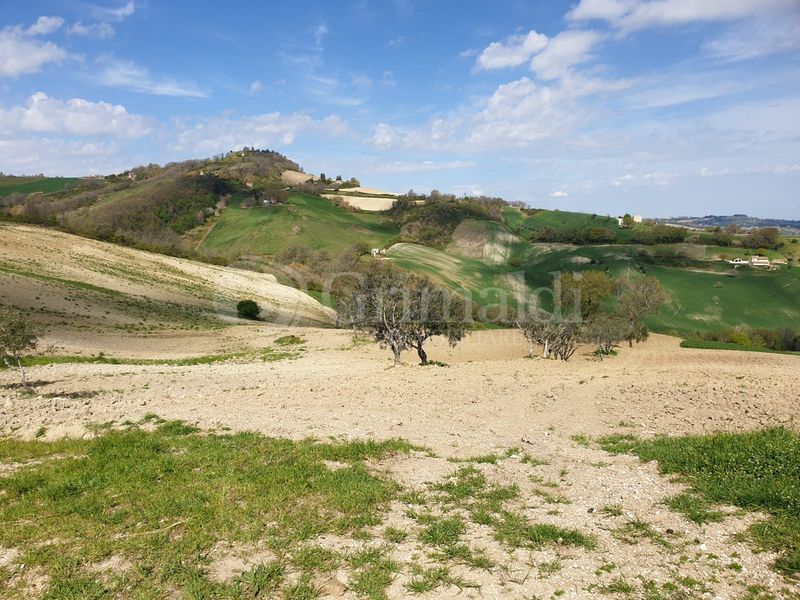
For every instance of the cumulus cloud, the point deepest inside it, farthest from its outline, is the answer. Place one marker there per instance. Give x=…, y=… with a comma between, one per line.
x=76, y=116
x=559, y=194
x=21, y=50
x=640, y=14
x=565, y=50
x=130, y=76
x=208, y=136
x=384, y=135
x=512, y=52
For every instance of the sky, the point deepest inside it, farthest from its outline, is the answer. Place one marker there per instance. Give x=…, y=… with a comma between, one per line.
x=652, y=107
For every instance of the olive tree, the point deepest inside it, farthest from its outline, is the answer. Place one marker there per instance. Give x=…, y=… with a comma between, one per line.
x=558, y=338
x=434, y=312
x=18, y=334
x=403, y=312
x=637, y=297
x=605, y=331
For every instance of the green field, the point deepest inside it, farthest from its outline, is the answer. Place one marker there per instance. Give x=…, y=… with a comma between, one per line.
x=306, y=220
x=30, y=185
x=704, y=300
x=559, y=220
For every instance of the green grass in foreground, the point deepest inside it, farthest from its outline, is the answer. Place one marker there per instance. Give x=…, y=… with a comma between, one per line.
x=712, y=345
x=755, y=471
x=161, y=500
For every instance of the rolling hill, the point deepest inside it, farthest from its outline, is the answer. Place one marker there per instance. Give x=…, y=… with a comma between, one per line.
x=81, y=283
x=238, y=205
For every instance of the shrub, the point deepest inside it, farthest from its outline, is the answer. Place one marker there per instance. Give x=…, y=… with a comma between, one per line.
x=248, y=309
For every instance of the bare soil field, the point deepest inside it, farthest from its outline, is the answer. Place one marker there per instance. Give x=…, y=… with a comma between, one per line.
x=515, y=421
x=68, y=279
x=368, y=203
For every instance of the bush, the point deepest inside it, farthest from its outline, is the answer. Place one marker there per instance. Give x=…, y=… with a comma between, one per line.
x=248, y=309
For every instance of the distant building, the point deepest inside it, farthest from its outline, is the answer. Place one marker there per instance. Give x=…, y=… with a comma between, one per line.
x=637, y=218
x=759, y=261
x=738, y=261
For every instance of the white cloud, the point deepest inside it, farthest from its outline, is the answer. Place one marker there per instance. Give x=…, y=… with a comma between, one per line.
x=256, y=87
x=208, y=136
x=22, y=52
x=58, y=156
x=559, y=194
x=98, y=30
x=320, y=31
x=565, y=50
x=513, y=52
x=76, y=116
x=118, y=14
x=422, y=165
x=622, y=181
x=632, y=15
x=756, y=39
x=384, y=135
x=130, y=76
x=45, y=26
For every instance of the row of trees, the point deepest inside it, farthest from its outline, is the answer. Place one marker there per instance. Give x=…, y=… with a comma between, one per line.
x=402, y=312
x=604, y=313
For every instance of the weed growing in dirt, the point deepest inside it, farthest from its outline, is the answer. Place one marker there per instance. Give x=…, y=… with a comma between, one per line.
x=756, y=471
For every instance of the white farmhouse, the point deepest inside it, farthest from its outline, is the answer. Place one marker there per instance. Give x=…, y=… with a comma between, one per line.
x=759, y=261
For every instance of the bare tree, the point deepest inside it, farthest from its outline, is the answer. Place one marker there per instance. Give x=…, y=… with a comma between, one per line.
x=18, y=334
x=558, y=338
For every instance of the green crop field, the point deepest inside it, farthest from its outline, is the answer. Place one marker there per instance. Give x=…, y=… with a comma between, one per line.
x=30, y=185
x=308, y=220
x=559, y=220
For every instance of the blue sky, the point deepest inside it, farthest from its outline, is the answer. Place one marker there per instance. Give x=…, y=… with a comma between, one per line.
x=658, y=107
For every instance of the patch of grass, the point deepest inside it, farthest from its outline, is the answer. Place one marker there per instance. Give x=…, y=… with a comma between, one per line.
x=635, y=531
x=374, y=573
x=395, y=535
x=516, y=531
x=162, y=499
x=482, y=459
x=756, y=471
x=533, y=461
x=619, y=585
x=694, y=507
x=427, y=580
x=581, y=439
x=612, y=510
x=316, y=558
x=289, y=340
x=266, y=355
x=712, y=345
x=262, y=579
x=442, y=532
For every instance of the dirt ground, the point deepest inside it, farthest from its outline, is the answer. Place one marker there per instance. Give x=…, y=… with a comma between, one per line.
x=489, y=399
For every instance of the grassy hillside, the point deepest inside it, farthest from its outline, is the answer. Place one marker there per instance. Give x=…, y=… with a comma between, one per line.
x=304, y=220
x=701, y=300
x=30, y=185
